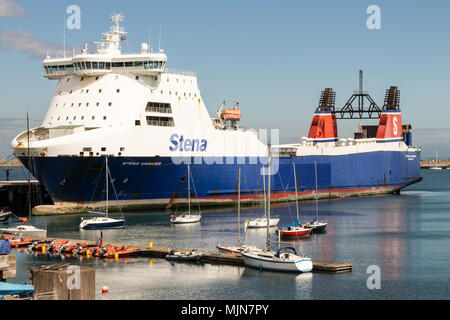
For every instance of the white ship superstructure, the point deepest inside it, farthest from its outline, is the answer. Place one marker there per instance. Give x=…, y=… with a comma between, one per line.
x=109, y=103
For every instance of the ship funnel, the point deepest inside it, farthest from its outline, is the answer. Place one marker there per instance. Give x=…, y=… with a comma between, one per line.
x=323, y=126
x=390, y=125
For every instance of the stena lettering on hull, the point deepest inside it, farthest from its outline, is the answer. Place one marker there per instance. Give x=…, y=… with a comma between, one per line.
x=151, y=121
x=179, y=143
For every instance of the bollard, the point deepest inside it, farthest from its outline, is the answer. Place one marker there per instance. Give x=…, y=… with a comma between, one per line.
x=116, y=256
x=150, y=244
x=43, y=249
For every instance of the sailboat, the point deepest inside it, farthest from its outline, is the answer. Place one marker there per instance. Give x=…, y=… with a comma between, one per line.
x=261, y=222
x=284, y=259
x=26, y=229
x=315, y=224
x=104, y=222
x=187, y=217
x=295, y=229
x=436, y=162
x=238, y=248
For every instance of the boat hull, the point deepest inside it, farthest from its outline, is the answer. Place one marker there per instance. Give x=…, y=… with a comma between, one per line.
x=259, y=223
x=110, y=224
x=284, y=233
x=25, y=233
x=159, y=182
x=189, y=218
x=255, y=261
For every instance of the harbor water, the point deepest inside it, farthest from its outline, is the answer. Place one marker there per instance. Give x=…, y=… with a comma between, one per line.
x=405, y=235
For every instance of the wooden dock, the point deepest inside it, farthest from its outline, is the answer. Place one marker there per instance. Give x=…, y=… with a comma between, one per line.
x=208, y=256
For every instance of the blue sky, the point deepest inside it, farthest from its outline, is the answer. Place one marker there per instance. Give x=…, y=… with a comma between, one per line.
x=274, y=57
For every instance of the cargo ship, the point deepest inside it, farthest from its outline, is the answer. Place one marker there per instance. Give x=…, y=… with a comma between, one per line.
x=150, y=121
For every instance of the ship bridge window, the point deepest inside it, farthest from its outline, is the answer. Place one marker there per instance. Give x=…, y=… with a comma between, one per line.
x=117, y=64
x=138, y=63
x=129, y=64
x=160, y=121
x=158, y=107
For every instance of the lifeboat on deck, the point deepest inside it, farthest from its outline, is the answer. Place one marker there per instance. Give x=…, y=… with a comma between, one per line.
x=233, y=114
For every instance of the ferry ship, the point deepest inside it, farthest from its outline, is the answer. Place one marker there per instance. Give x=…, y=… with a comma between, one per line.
x=150, y=121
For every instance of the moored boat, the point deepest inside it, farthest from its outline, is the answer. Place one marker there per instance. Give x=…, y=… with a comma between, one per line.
x=284, y=259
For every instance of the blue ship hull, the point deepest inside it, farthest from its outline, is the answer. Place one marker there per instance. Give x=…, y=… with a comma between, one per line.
x=158, y=182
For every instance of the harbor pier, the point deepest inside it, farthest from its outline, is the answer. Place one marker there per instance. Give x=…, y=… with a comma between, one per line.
x=211, y=257
x=428, y=164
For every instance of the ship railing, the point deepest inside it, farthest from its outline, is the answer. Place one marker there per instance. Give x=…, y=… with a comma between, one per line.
x=180, y=72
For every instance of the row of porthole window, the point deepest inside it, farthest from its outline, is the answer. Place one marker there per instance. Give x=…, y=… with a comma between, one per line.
x=87, y=91
x=176, y=93
x=87, y=104
x=75, y=118
x=184, y=81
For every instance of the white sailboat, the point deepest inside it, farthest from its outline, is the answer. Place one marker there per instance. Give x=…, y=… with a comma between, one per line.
x=294, y=230
x=284, y=259
x=261, y=222
x=26, y=229
x=436, y=161
x=187, y=217
x=102, y=222
x=238, y=248
x=315, y=224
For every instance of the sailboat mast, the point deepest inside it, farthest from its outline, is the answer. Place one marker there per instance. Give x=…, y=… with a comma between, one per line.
x=106, y=182
x=239, y=208
x=29, y=168
x=296, y=195
x=189, y=188
x=315, y=172
x=268, y=201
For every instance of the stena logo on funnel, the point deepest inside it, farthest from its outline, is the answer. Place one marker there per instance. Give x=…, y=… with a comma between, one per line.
x=181, y=143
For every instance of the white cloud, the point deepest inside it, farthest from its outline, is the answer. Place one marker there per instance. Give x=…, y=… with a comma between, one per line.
x=9, y=8
x=22, y=41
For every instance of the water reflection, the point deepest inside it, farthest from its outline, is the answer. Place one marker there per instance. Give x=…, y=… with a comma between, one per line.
x=406, y=235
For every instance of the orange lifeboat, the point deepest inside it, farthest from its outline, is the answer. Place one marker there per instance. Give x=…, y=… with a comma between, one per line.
x=231, y=114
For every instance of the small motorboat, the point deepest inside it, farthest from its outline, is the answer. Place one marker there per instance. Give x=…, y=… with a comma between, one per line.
x=68, y=248
x=84, y=248
x=112, y=252
x=262, y=222
x=20, y=242
x=26, y=230
x=5, y=214
x=192, y=255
